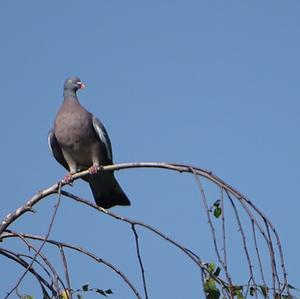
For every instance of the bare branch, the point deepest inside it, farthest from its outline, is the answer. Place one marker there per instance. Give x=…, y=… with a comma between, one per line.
x=15, y=257
x=82, y=251
x=256, y=217
x=64, y=259
x=140, y=259
x=212, y=228
x=43, y=243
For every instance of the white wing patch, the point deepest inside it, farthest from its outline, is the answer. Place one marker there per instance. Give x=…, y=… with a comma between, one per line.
x=49, y=140
x=98, y=126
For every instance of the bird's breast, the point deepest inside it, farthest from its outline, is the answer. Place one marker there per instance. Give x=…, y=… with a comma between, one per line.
x=72, y=130
x=78, y=141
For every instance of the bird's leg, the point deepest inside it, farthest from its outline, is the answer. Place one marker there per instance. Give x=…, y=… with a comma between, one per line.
x=68, y=178
x=94, y=169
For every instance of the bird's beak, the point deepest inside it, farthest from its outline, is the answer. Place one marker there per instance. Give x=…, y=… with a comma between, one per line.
x=81, y=85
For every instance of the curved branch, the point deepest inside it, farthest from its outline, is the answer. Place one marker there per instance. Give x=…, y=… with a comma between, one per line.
x=137, y=245
x=28, y=206
x=56, y=278
x=15, y=257
x=196, y=259
x=246, y=203
x=78, y=249
x=43, y=243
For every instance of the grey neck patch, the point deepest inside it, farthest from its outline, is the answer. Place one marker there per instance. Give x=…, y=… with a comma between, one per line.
x=69, y=93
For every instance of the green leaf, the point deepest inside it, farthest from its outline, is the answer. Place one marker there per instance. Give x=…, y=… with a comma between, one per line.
x=85, y=287
x=264, y=290
x=27, y=297
x=237, y=288
x=238, y=292
x=239, y=295
x=211, y=289
x=217, y=212
x=65, y=294
x=209, y=285
x=211, y=267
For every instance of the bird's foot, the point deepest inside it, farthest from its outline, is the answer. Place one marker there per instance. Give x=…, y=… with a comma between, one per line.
x=94, y=169
x=68, y=179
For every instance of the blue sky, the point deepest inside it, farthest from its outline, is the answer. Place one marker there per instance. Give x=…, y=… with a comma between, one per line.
x=214, y=84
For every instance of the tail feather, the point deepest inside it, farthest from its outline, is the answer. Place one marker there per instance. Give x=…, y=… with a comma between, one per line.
x=107, y=191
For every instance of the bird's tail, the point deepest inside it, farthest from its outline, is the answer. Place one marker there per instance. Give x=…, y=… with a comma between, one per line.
x=107, y=191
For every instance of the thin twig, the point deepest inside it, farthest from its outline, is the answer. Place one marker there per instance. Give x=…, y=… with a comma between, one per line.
x=258, y=255
x=46, y=261
x=42, y=245
x=187, y=251
x=212, y=228
x=69, y=293
x=243, y=240
x=224, y=238
x=13, y=256
x=246, y=203
x=273, y=263
x=83, y=251
x=265, y=235
x=140, y=259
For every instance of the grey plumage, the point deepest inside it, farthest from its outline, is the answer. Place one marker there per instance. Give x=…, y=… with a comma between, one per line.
x=79, y=141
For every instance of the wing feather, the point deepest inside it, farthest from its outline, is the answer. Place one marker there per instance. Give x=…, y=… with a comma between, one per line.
x=56, y=150
x=103, y=136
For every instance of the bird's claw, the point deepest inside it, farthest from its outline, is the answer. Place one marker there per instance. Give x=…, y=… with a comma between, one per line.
x=94, y=169
x=68, y=179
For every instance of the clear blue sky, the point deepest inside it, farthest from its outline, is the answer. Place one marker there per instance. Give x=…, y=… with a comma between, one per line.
x=210, y=83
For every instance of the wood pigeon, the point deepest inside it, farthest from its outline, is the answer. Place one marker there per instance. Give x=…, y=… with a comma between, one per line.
x=79, y=141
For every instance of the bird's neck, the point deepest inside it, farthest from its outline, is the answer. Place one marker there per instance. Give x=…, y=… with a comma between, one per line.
x=70, y=95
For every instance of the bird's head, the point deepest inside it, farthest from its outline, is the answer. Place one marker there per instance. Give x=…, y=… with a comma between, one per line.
x=73, y=84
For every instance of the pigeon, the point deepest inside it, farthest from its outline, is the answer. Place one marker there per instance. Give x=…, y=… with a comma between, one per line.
x=79, y=141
